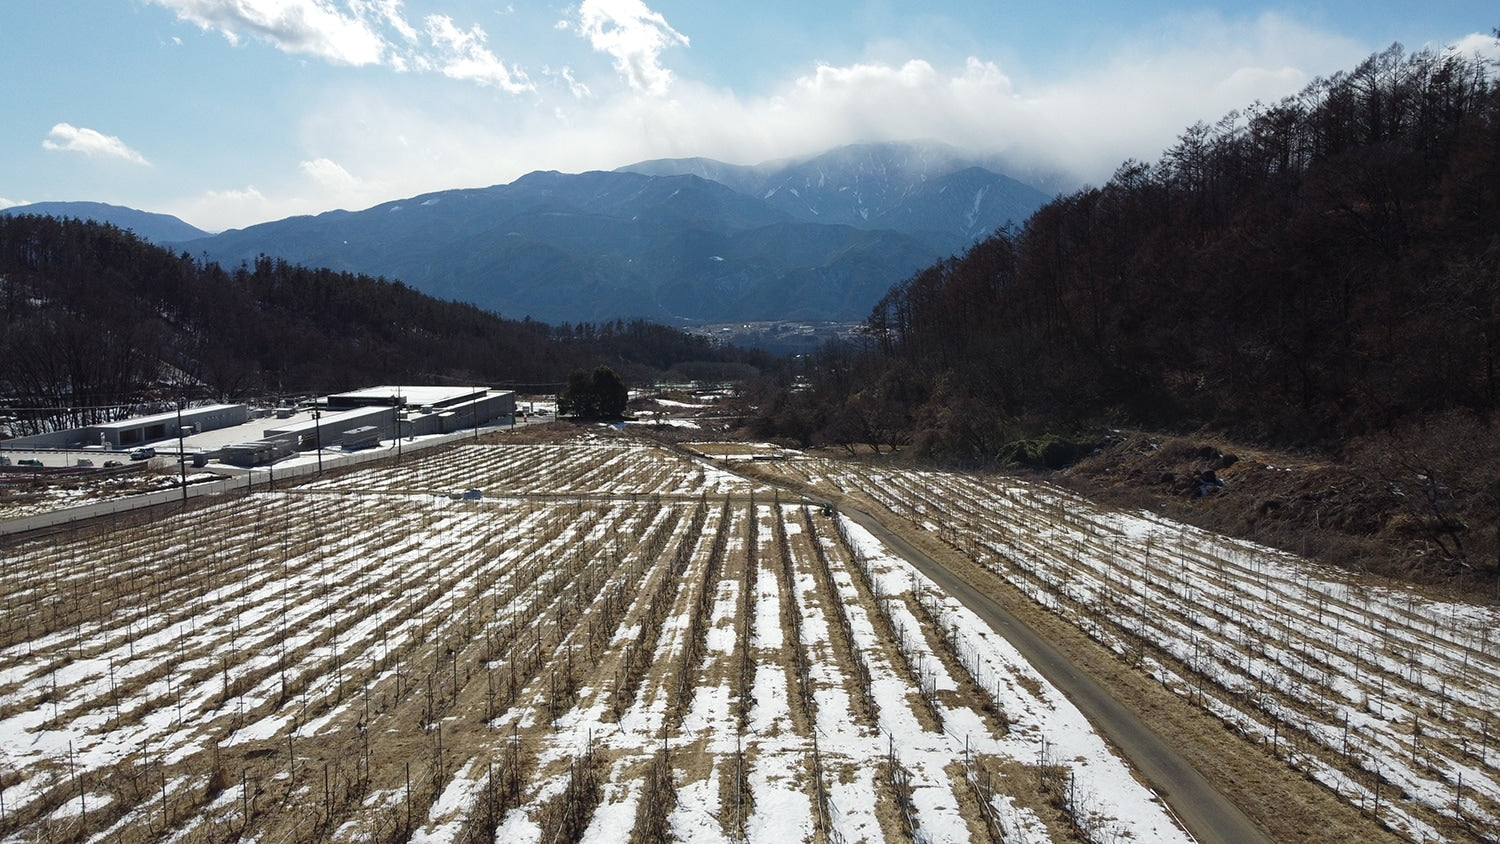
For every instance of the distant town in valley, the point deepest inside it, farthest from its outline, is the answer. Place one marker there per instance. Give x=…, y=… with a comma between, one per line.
x=779, y=336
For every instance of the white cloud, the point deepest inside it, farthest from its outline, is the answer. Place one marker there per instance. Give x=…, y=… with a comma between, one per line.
x=329, y=175
x=7, y=203
x=461, y=54
x=389, y=11
x=1483, y=45
x=1133, y=103
x=311, y=27
x=65, y=137
x=246, y=194
x=219, y=210
x=358, y=33
x=635, y=36
x=579, y=90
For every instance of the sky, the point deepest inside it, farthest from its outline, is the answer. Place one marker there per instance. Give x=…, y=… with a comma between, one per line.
x=228, y=113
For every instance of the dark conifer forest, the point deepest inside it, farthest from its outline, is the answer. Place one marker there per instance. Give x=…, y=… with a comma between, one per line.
x=94, y=319
x=1319, y=277
x=1301, y=274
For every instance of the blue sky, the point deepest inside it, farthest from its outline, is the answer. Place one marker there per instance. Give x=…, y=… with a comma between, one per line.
x=232, y=112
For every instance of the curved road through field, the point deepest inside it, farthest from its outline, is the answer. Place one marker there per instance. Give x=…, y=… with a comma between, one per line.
x=1206, y=813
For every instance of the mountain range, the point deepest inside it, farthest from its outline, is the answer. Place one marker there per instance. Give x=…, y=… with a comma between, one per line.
x=678, y=241
x=156, y=228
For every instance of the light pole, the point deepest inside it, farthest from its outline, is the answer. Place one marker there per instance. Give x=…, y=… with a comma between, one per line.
x=318, y=433
x=396, y=421
x=181, y=452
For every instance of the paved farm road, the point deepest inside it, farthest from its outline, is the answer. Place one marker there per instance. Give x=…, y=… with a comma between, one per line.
x=1206, y=813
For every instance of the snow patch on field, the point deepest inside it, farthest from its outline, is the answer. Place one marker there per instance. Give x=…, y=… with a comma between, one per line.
x=366, y=580
x=1115, y=796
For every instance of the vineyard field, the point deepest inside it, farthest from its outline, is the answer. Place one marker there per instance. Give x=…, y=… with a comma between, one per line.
x=598, y=639
x=1384, y=696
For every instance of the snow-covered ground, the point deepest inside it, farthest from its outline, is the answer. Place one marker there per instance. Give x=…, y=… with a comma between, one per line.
x=368, y=653
x=1384, y=696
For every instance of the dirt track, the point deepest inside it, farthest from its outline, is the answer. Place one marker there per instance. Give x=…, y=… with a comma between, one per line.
x=1207, y=814
x=1220, y=786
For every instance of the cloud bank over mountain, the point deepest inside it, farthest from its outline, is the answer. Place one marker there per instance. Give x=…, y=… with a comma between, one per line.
x=301, y=106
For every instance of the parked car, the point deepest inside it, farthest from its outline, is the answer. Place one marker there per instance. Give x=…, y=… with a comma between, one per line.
x=143, y=454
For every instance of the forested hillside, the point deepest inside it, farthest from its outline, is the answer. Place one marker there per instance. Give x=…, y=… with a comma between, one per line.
x=1321, y=274
x=1299, y=273
x=94, y=317
x=162, y=229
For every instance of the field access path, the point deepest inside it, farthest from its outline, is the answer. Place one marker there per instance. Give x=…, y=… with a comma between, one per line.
x=1206, y=812
x=1321, y=706
x=1287, y=806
